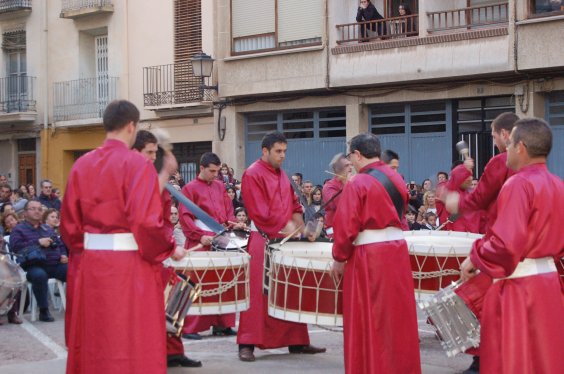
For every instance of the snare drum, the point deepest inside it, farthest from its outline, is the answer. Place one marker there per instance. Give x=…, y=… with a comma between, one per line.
x=456, y=326
x=223, y=278
x=12, y=280
x=231, y=240
x=301, y=287
x=436, y=257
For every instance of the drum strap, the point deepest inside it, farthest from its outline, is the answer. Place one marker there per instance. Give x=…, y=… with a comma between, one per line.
x=391, y=189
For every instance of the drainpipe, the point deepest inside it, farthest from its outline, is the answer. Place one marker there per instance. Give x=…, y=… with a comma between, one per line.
x=513, y=17
x=327, y=48
x=45, y=146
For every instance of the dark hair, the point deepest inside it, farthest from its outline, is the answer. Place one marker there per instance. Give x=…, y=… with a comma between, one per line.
x=241, y=209
x=300, y=175
x=46, y=214
x=5, y=216
x=406, y=8
x=31, y=201
x=388, y=155
x=209, y=158
x=367, y=144
x=5, y=185
x=118, y=114
x=505, y=121
x=272, y=138
x=535, y=134
x=456, y=163
x=430, y=214
x=143, y=138
x=443, y=173
x=3, y=207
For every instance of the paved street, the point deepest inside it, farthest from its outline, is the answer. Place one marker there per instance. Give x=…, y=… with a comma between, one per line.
x=38, y=347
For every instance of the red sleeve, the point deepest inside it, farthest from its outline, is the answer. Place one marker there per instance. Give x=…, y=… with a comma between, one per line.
x=498, y=253
x=71, y=228
x=349, y=220
x=493, y=178
x=144, y=212
x=457, y=176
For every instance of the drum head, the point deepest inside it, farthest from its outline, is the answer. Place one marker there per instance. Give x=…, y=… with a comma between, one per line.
x=231, y=240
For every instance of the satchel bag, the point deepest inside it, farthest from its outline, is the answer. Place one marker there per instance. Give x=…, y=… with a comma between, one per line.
x=32, y=255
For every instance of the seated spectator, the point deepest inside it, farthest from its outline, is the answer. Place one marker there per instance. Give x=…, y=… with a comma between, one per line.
x=51, y=219
x=367, y=12
x=29, y=234
x=178, y=234
x=5, y=194
x=18, y=200
x=3, y=179
x=9, y=221
x=226, y=176
x=31, y=192
x=315, y=205
x=430, y=221
x=7, y=208
x=56, y=193
x=242, y=216
x=24, y=191
x=46, y=197
x=410, y=217
x=233, y=196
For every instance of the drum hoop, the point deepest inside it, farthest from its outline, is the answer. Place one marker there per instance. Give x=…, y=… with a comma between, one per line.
x=201, y=260
x=305, y=263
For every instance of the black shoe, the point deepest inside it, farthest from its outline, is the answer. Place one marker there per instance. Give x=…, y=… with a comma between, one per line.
x=474, y=367
x=45, y=316
x=306, y=349
x=246, y=353
x=219, y=331
x=181, y=360
x=194, y=336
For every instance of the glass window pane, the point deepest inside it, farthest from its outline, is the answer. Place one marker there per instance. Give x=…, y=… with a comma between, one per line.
x=298, y=134
x=333, y=134
x=388, y=130
x=333, y=124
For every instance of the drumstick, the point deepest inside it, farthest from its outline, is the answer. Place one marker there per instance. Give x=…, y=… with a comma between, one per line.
x=291, y=235
x=195, y=248
x=443, y=225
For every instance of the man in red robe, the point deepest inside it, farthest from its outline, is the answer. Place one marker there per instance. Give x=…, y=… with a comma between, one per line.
x=460, y=180
x=483, y=198
x=117, y=229
x=342, y=168
x=522, y=329
x=147, y=144
x=210, y=195
x=275, y=210
x=380, y=320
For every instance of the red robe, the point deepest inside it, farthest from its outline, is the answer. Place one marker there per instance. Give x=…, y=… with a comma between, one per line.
x=270, y=202
x=468, y=221
x=522, y=328
x=380, y=320
x=117, y=323
x=213, y=199
x=485, y=194
x=329, y=190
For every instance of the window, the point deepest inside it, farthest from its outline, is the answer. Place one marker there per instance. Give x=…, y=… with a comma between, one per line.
x=16, y=94
x=261, y=25
x=546, y=7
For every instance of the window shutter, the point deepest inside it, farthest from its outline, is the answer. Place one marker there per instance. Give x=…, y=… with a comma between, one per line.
x=252, y=17
x=187, y=29
x=300, y=20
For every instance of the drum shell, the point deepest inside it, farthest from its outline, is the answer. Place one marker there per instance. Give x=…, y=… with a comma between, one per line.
x=213, y=270
x=436, y=257
x=301, y=287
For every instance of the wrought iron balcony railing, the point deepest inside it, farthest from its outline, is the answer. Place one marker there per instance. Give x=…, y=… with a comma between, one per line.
x=69, y=5
x=382, y=29
x=468, y=18
x=17, y=94
x=173, y=84
x=83, y=98
x=7, y=6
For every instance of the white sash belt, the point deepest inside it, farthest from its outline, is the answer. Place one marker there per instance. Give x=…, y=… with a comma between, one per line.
x=253, y=227
x=110, y=242
x=202, y=225
x=329, y=231
x=532, y=266
x=378, y=236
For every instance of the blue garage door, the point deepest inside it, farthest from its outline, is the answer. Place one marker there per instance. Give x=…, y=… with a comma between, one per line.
x=314, y=137
x=555, y=116
x=421, y=133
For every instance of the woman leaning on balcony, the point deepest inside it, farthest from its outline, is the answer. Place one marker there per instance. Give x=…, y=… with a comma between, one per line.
x=367, y=12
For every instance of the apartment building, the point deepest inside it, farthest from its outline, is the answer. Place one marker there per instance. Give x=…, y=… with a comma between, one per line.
x=70, y=58
x=420, y=81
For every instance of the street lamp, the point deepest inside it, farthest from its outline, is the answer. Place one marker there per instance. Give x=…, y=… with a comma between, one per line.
x=202, y=66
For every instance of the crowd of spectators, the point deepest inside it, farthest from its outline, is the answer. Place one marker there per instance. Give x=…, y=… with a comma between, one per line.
x=29, y=233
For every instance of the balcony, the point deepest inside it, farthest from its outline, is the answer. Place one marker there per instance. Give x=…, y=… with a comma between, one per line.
x=17, y=99
x=173, y=86
x=73, y=9
x=14, y=8
x=464, y=19
x=83, y=100
x=382, y=29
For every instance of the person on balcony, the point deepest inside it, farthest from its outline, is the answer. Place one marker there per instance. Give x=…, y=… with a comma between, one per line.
x=367, y=12
x=407, y=24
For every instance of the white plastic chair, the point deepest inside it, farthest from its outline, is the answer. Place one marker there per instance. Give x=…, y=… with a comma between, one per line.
x=52, y=283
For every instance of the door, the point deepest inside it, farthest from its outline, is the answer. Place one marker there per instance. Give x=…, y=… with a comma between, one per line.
x=17, y=88
x=102, y=79
x=26, y=169
x=555, y=117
